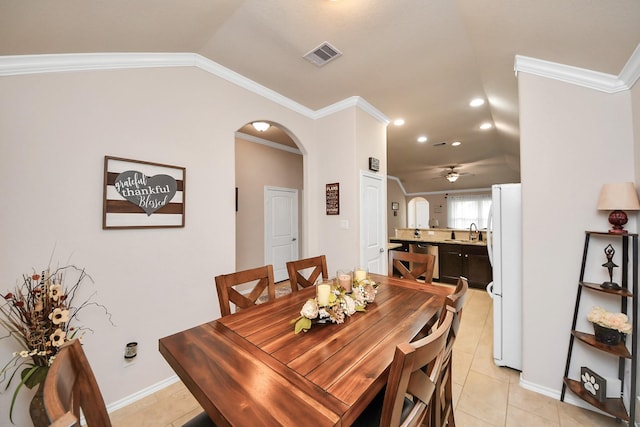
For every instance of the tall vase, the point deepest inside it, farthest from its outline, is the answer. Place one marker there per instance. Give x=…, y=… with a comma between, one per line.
x=37, y=410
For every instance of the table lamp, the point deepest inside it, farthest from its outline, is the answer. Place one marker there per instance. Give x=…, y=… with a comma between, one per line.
x=617, y=198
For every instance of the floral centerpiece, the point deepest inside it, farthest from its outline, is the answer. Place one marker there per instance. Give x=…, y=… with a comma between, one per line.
x=341, y=304
x=607, y=326
x=39, y=315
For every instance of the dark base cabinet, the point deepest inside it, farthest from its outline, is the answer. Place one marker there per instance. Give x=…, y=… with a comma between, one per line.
x=469, y=261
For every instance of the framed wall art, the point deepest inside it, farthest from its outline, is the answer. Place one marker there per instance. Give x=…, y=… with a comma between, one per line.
x=139, y=194
x=333, y=198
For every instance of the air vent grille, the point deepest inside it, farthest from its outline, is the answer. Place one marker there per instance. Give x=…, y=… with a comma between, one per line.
x=322, y=54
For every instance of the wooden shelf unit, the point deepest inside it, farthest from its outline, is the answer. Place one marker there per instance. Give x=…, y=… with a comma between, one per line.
x=612, y=406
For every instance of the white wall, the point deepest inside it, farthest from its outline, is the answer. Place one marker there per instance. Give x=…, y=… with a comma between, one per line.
x=55, y=130
x=573, y=140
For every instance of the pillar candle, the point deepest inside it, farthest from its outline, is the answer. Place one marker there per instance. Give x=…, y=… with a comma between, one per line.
x=323, y=290
x=360, y=275
x=344, y=280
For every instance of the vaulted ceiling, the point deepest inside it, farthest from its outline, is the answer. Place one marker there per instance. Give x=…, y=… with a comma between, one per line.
x=420, y=60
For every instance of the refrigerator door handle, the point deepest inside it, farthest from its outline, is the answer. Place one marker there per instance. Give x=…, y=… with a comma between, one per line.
x=490, y=234
x=490, y=289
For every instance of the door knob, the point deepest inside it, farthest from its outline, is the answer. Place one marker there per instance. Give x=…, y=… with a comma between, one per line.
x=294, y=239
x=381, y=250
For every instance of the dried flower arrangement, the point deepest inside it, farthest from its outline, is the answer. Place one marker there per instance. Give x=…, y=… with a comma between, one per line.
x=39, y=314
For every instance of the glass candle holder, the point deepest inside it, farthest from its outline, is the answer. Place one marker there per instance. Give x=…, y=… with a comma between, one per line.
x=359, y=274
x=323, y=290
x=345, y=280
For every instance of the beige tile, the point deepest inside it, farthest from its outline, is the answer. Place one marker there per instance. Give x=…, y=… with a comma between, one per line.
x=464, y=419
x=483, y=363
x=186, y=417
x=485, y=398
x=518, y=418
x=573, y=416
x=534, y=403
x=461, y=363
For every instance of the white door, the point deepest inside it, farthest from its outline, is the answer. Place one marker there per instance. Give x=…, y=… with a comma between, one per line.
x=280, y=229
x=373, y=240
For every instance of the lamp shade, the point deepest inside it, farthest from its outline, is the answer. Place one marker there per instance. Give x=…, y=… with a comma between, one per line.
x=618, y=196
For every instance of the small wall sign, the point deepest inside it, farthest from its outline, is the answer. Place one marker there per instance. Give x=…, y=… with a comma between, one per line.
x=141, y=194
x=374, y=164
x=333, y=199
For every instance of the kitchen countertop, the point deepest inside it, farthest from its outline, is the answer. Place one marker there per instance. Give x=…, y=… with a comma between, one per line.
x=435, y=239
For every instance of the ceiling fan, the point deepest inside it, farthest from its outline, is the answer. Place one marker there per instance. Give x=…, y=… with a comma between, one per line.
x=452, y=175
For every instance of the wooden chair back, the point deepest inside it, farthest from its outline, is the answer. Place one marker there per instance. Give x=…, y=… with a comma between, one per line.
x=70, y=386
x=261, y=278
x=298, y=269
x=419, y=265
x=413, y=374
x=442, y=413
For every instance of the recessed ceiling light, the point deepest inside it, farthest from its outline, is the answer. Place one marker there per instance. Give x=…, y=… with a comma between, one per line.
x=398, y=122
x=422, y=138
x=476, y=102
x=456, y=143
x=486, y=126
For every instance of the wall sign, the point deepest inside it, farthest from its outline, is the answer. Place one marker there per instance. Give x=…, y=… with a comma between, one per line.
x=141, y=194
x=374, y=164
x=333, y=199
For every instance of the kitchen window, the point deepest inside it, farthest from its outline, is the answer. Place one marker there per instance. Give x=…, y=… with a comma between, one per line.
x=465, y=209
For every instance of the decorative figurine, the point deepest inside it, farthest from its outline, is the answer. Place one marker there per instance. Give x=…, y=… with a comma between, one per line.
x=610, y=252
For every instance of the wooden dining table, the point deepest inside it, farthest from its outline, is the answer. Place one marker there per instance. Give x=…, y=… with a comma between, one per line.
x=251, y=369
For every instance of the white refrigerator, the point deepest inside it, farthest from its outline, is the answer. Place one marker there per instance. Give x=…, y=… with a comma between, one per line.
x=504, y=243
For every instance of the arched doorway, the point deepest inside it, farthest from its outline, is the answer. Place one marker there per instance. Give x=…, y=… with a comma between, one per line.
x=269, y=183
x=418, y=213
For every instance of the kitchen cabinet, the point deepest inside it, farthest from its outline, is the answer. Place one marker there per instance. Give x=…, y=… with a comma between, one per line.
x=469, y=261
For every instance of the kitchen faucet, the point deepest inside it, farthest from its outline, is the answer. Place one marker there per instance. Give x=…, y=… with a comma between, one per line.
x=473, y=231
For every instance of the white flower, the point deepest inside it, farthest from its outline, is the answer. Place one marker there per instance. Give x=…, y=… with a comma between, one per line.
x=58, y=337
x=59, y=316
x=350, y=305
x=55, y=291
x=310, y=309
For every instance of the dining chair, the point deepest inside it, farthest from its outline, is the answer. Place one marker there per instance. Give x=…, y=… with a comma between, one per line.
x=442, y=413
x=70, y=386
x=419, y=265
x=260, y=278
x=411, y=384
x=305, y=272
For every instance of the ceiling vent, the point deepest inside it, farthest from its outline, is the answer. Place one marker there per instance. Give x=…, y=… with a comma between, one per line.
x=322, y=54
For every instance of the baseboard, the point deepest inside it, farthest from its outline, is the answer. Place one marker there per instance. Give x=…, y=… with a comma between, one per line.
x=126, y=401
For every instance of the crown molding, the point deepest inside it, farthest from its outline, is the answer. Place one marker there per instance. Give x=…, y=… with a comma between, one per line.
x=631, y=71
x=582, y=77
x=271, y=144
x=433, y=193
x=37, y=64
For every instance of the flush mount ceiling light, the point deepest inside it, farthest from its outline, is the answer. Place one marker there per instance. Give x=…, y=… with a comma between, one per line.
x=260, y=126
x=398, y=122
x=456, y=143
x=485, y=126
x=422, y=138
x=476, y=102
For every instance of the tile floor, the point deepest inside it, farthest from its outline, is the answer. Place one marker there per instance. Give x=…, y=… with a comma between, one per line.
x=484, y=394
